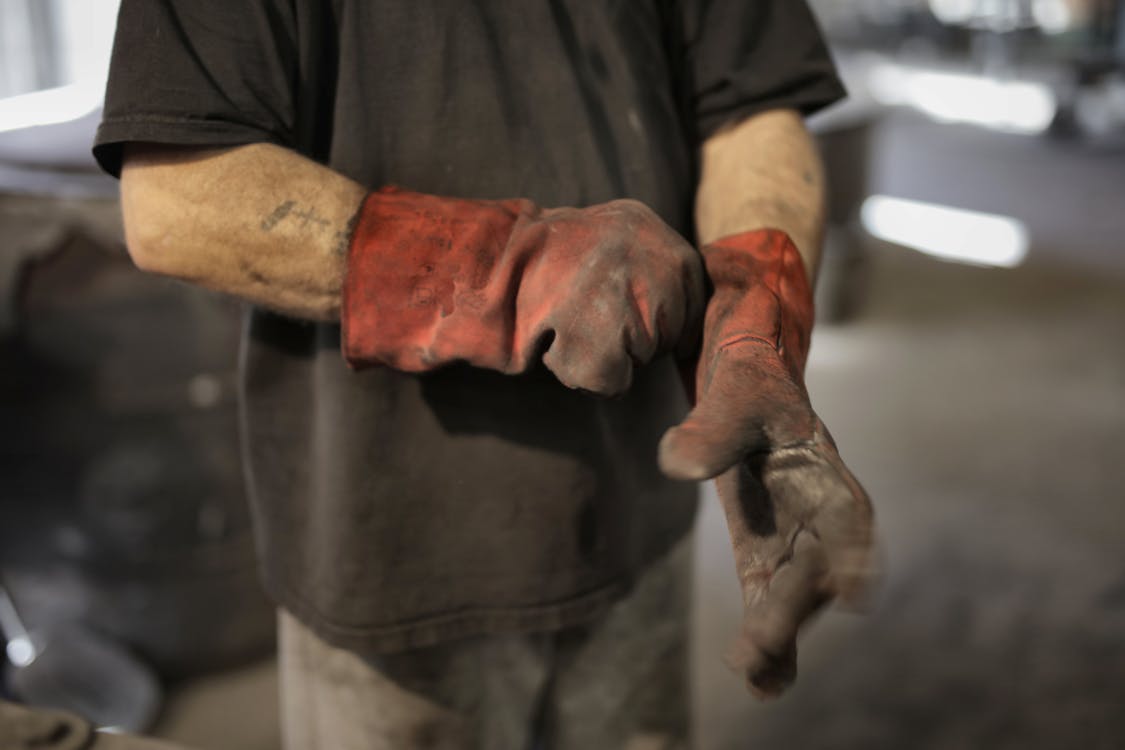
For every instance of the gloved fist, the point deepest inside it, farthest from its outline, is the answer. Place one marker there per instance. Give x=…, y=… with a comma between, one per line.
x=800, y=524
x=499, y=284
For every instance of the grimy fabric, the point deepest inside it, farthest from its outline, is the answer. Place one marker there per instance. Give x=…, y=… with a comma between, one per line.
x=397, y=510
x=800, y=523
x=619, y=682
x=504, y=285
x=34, y=728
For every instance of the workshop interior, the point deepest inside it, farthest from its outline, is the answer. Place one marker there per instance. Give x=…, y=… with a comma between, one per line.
x=969, y=354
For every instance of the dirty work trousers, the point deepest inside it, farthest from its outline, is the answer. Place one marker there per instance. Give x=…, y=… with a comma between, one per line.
x=620, y=683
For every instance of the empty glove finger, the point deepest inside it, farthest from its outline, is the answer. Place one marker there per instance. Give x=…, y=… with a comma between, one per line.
x=766, y=650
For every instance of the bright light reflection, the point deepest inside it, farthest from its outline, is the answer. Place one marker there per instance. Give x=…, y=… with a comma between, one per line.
x=1015, y=106
x=1054, y=16
x=50, y=106
x=20, y=651
x=950, y=233
x=953, y=11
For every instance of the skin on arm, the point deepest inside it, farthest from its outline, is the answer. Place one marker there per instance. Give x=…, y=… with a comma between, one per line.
x=763, y=172
x=260, y=222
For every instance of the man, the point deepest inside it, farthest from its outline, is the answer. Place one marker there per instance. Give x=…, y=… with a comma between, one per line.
x=454, y=387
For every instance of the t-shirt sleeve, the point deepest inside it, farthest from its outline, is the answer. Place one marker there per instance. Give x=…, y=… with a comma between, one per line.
x=747, y=56
x=199, y=73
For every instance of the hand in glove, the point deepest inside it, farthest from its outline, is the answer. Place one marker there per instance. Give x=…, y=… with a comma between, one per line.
x=800, y=524
x=499, y=284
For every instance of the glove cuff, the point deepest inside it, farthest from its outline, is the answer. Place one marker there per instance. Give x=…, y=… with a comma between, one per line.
x=761, y=291
x=415, y=268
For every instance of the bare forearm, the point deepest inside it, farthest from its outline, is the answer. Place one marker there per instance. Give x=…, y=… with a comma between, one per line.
x=763, y=172
x=259, y=222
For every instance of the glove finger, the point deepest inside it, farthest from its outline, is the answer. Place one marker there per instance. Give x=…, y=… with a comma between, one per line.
x=726, y=424
x=846, y=524
x=813, y=481
x=590, y=360
x=766, y=651
x=747, y=405
x=711, y=439
x=847, y=530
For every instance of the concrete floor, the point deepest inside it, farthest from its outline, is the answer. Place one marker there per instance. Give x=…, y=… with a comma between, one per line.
x=984, y=410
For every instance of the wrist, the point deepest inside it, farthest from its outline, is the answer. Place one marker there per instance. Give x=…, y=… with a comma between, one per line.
x=414, y=264
x=760, y=292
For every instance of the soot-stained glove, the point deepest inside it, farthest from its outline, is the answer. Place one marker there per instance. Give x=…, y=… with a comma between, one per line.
x=800, y=524
x=500, y=284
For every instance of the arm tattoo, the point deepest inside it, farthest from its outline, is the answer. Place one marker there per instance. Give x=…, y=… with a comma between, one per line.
x=277, y=215
x=310, y=216
x=289, y=209
x=306, y=217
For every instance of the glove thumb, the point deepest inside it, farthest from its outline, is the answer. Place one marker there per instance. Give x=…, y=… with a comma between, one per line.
x=748, y=404
x=714, y=436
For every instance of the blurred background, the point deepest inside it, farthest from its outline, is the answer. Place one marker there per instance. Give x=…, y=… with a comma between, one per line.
x=970, y=360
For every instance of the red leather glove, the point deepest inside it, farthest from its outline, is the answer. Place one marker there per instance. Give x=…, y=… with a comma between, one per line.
x=800, y=523
x=497, y=284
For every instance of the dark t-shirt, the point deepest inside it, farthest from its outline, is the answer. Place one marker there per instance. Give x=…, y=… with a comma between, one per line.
x=396, y=510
